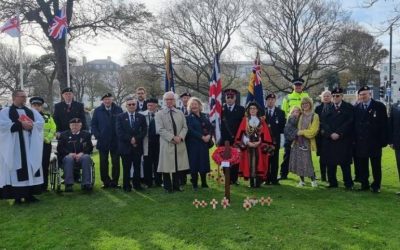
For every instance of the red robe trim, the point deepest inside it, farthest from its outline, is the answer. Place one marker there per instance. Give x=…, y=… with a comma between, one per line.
x=263, y=161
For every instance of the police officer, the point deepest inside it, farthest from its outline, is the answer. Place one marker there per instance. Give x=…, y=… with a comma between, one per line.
x=74, y=147
x=232, y=115
x=371, y=123
x=67, y=109
x=49, y=131
x=291, y=100
x=336, y=138
x=276, y=121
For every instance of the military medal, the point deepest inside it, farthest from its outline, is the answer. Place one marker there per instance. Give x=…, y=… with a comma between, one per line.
x=374, y=113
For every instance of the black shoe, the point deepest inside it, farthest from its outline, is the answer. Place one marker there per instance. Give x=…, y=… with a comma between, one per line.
x=139, y=188
x=276, y=183
x=323, y=179
x=283, y=177
x=87, y=187
x=105, y=186
x=349, y=188
x=398, y=193
x=363, y=189
x=179, y=189
x=117, y=186
x=31, y=199
x=69, y=189
x=375, y=190
x=204, y=185
x=127, y=189
x=169, y=191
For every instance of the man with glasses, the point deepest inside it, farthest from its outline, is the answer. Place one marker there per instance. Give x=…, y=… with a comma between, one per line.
x=232, y=115
x=336, y=135
x=131, y=130
x=21, y=133
x=172, y=128
x=370, y=125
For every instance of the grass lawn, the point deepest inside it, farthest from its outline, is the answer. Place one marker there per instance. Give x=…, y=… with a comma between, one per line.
x=299, y=218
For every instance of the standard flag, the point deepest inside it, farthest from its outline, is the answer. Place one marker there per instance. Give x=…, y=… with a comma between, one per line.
x=59, y=25
x=169, y=72
x=214, y=99
x=255, y=90
x=12, y=27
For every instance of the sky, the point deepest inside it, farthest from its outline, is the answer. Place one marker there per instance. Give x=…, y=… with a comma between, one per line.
x=371, y=18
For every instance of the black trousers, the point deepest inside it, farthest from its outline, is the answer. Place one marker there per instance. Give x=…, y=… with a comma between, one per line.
x=176, y=181
x=356, y=169
x=323, y=169
x=127, y=161
x=286, y=156
x=348, y=182
x=397, y=153
x=195, y=179
x=46, y=163
x=115, y=169
x=150, y=171
x=272, y=175
x=376, y=166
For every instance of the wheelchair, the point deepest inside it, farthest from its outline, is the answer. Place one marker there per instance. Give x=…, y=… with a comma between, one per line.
x=57, y=172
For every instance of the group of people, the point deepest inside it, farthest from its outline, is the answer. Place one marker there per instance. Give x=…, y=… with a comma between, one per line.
x=160, y=147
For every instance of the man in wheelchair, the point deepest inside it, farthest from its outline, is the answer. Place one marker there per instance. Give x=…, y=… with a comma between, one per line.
x=74, y=148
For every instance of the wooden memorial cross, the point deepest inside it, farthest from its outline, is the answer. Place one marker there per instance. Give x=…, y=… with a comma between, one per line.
x=227, y=154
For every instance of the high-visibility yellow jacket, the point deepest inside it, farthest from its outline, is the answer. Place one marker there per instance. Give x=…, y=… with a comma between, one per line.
x=292, y=100
x=49, y=128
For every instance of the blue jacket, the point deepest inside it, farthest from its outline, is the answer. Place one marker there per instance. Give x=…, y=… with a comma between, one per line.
x=125, y=133
x=103, y=127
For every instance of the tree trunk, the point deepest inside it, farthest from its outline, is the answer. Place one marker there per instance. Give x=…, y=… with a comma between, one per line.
x=61, y=62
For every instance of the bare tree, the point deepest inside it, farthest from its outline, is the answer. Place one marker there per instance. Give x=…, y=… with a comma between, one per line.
x=296, y=36
x=85, y=18
x=360, y=52
x=197, y=31
x=393, y=17
x=9, y=69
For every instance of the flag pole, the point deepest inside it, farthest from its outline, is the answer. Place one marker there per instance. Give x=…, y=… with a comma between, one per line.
x=21, y=68
x=67, y=59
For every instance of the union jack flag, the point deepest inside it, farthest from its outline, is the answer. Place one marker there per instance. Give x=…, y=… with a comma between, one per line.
x=214, y=99
x=12, y=27
x=59, y=25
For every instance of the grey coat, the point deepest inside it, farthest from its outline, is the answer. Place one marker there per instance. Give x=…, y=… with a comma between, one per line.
x=164, y=128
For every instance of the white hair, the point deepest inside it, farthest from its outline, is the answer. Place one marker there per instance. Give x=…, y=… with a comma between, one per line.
x=325, y=92
x=169, y=93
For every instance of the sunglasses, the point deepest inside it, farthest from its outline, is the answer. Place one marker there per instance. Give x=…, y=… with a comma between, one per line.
x=336, y=95
x=229, y=97
x=131, y=104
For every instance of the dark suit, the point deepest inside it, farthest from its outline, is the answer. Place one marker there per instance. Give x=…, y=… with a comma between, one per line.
x=63, y=114
x=394, y=132
x=322, y=110
x=370, y=137
x=276, y=123
x=143, y=108
x=229, y=126
x=154, y=152
x=131, y=154
x=337, y=152
x=103, y=127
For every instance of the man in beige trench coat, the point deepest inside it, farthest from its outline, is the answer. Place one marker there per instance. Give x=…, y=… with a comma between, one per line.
x=172, y=128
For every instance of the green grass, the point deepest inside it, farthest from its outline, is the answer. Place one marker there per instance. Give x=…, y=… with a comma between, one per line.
x=299, y=218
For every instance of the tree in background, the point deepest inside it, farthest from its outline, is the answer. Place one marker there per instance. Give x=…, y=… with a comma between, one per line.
x=297, y=38
x=9, y=69
x=359, y=52
x=196, y=31
x=86, y=19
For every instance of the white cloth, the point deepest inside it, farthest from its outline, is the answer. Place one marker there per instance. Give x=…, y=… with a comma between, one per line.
x=10, y=153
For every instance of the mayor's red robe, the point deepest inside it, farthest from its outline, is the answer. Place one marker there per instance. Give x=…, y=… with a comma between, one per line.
x=263, y=156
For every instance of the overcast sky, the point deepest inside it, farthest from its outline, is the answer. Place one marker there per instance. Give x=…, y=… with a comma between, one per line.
x=370, y=18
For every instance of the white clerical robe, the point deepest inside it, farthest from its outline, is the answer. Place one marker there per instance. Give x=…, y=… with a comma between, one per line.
x=10, y=153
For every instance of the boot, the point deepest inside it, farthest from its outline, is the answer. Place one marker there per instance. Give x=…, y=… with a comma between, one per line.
x=203, y=180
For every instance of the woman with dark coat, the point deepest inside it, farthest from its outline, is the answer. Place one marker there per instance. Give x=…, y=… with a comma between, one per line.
x=198, y=141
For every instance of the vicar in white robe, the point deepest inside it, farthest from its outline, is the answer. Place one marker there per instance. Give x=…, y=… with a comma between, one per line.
x=21, y=145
